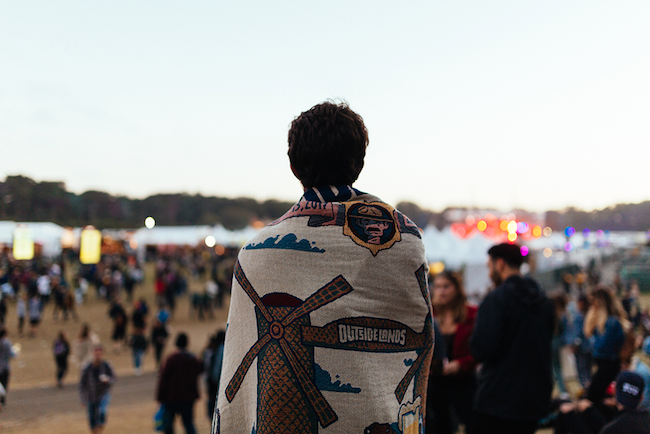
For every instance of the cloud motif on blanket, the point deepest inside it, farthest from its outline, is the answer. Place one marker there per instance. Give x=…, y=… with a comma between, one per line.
x=288, y=242
x=324, y=382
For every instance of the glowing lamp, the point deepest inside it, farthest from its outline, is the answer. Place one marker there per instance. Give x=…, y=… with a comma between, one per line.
x=436, y=267
x=512, y=237
x=481, y=225
x=90, y=250
x=537, y=232
x=210, y=241
x=503, y=225
x=547, y=231
x=547, y=252
x=23, y=243
x=569, y=231
x=512, y=226
x=524, y=251
x=599, y=233
x=586, y=232
x=149, y=222
x=219, y=249
x=522, y=227
x=568, y=246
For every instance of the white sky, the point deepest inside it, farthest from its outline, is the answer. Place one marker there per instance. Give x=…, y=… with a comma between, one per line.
x=539, y=105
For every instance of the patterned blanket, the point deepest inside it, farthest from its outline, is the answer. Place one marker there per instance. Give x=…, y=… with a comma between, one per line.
x=330, y=327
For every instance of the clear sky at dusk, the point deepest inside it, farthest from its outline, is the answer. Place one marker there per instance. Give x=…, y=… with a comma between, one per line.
x=504, y=104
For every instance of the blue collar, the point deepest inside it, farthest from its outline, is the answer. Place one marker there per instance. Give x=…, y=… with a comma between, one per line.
x=331, y=193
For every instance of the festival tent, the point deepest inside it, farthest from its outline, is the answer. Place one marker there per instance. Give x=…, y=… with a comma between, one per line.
x=48, y=235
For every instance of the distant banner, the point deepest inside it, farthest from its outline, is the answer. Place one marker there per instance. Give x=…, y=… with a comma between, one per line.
x=23, y=243
x=91, y=246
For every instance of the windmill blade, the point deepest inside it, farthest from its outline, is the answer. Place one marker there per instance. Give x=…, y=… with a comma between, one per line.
x=327, y=294
x=250, y=291
x=244, y=366
x=404, y=384
x=324, y=412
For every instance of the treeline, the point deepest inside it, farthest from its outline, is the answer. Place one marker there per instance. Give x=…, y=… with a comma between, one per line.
x=23, y=199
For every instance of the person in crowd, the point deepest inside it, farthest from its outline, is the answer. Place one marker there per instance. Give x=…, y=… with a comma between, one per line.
x=603, y=326
x=212, y=362
x=354, y=262
x=118, y=315
x=84, y=345
x=512, y=339
x=580, y=344
x=35, y=305
x=21, y=311
x=560, y=339
x=159, y=335
x=451, y=391
x=61, y=349
x=640, y=364
x=6, y=354
x=3, y=307
x=629, y=394
x=138, y=343
x=139, y=315
x=94, y=387
x=178, y=386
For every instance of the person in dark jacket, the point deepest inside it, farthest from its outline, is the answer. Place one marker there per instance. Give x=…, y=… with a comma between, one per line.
x=61, y=351
x=178, y=386
x=629, y=393
x=512, y=339
x=94, y=387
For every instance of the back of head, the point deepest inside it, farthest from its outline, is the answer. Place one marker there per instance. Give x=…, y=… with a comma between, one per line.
x=181, y=341
x=510, y=253
x=629, y=389
x=327, y=145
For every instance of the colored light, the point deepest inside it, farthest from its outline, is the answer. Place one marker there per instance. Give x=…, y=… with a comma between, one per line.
x=524, y=251
x=149, y=222
x=568, y=246
x=23, y=244
x=512, y=237
x=503, y=225
x=599, y=233
x=90, y=250
x=537, y=232
x=569, y=231
x=522, y=227
x=586, y=232
x=219, y=249
x=548, y=252
x=436, y=267
x=547, y=231
x=210, y=241
x=512, y=226
x=481, y=226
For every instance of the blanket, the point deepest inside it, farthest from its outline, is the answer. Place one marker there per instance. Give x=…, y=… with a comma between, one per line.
x=330, y=326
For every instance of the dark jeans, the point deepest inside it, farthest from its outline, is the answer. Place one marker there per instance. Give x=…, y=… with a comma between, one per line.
x=4, y=379
x=486, y=424
x=186, y=410
x=212, y=398
x=583, y=364
x=606, y=373
x=590, y=421
x=61, y=367
x=448, y=399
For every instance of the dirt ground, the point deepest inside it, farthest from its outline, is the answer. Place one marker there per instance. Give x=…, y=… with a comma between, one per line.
x=34, y=367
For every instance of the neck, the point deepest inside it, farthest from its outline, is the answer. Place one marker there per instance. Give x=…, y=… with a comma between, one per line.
x=508, y=272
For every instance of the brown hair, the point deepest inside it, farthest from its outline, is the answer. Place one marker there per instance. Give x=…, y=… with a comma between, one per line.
x=458, y=305
x=327, y=145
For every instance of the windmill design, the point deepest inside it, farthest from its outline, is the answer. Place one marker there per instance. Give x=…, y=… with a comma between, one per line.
x=285, y=365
